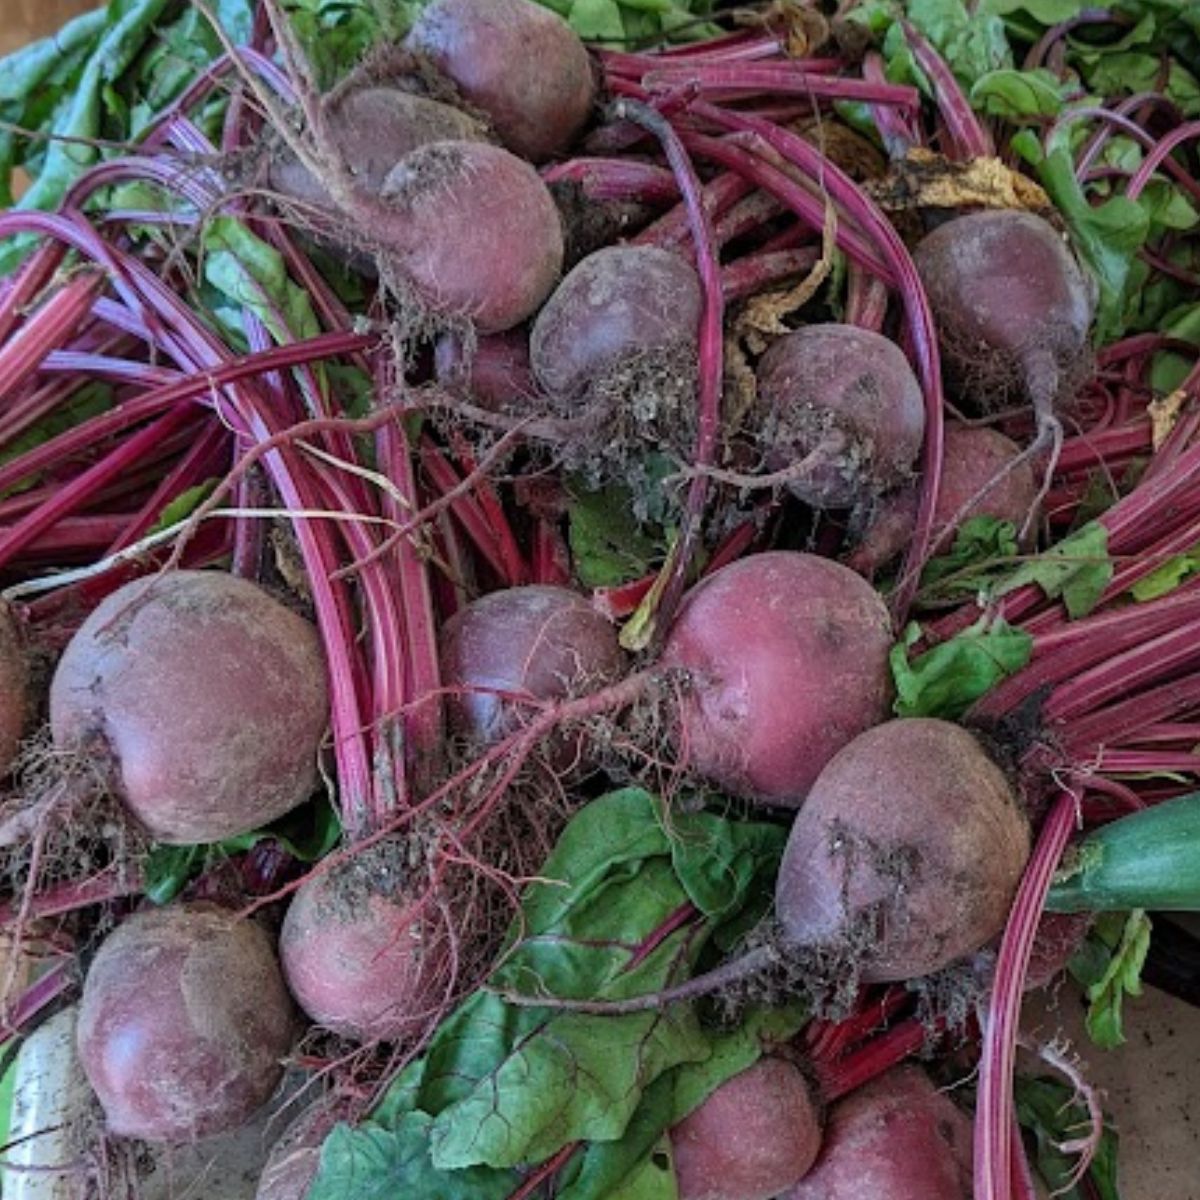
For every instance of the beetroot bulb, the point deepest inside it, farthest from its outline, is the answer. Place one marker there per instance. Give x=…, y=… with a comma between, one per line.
x=786, y=657
x=842, y=411
x=201, y=699
x=984, y=474
x=516, y=61
x=14, y=689
x=184, y=1023
x=896, y=1138
x=753, y=1136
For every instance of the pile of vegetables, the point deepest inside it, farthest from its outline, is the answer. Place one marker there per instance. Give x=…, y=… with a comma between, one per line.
x=579, y=582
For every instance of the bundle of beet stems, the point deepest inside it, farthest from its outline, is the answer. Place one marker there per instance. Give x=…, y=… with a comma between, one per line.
x=583, y=602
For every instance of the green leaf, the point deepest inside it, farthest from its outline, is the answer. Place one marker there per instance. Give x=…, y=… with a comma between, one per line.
x=1110, y=968
x=89, y=401
x=1168, y=577
x=1021, y=95
x=981, y=544
x=947, y=679
x=610, y=544
x=371, y=1162
x=168, y=869
x=1169, y=369
x=1107, y=236
x=1045, y=12
x=184, y=505
x=1076, y=569
x=254, y=275
x=972, y=45
x=597, y=20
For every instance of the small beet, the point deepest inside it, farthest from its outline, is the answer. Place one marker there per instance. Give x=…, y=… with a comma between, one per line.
x=516, y=61
x=623, y=310
x=787, y=659
x=202, y=698
x=14, y=689
x=906, y=854
x=373, y=128
x=184, y=1023
x=356, y=954
x=845, y=402
x=472, y=228
x=751, y=1139
x=547, y=643
x=295, y=1158
x=495, y=375
x=896, y=1138
x=1012, y=306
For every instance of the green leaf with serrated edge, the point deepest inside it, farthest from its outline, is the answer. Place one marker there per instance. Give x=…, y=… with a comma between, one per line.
x=370, y=1162
x=1051, y=1112
x=981, y=546
x=1107, y=236
x=1021, y=95
x=610, y=545
x=254, y=275
x=1075, y=570
x=1110, y=977
x=948, y=678
x=972, y=45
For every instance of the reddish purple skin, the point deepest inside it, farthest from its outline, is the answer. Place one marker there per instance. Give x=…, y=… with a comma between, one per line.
x=14, y=689
x=751, y=1139
x=295, y=1158
x=374, y=127
x=619, y=303
x=973, y=456
x=788, y=661
x=913, y=829
x=358, y=966
x=896, y=1138
x=496, y=376
x=474, y=229
x=1058, y=939
x=203, y=696
x=184, y=1023
x=516, y=61
x=1002, y=283
x=839, y=379
x=545, y=642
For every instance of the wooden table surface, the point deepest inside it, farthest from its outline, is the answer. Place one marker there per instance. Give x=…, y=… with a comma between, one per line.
x=24, y=21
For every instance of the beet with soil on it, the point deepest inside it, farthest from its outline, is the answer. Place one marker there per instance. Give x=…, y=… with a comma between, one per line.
x=841, y=407
x=1012, y=306
x=906, y=855
x=201, y=698
x=752, y=1138
x=184, y=1023
x=543, y=643
x=373, y=127
x=620, y=332
x=358, y=956
x=786, y=657
x=896, y=1138
x=518, y=62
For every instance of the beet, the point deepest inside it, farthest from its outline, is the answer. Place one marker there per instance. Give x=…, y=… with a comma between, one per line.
x=753, y=1137
x=202, y=699
x=184, y=1023
x=519, y=63
x=787, y=661
x=373, y=127
x=906, y=854
x=14, y=689
x=896, y=1138
x=471, y=227
x=974, y=457
x=845, y=402
x=544, y=642
x=1012, y=307
x=295, y=1158
x=357, y=957
x=624, y=318
x=495, y=375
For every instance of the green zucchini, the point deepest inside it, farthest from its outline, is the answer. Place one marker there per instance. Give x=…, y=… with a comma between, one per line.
x=1150, y=859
